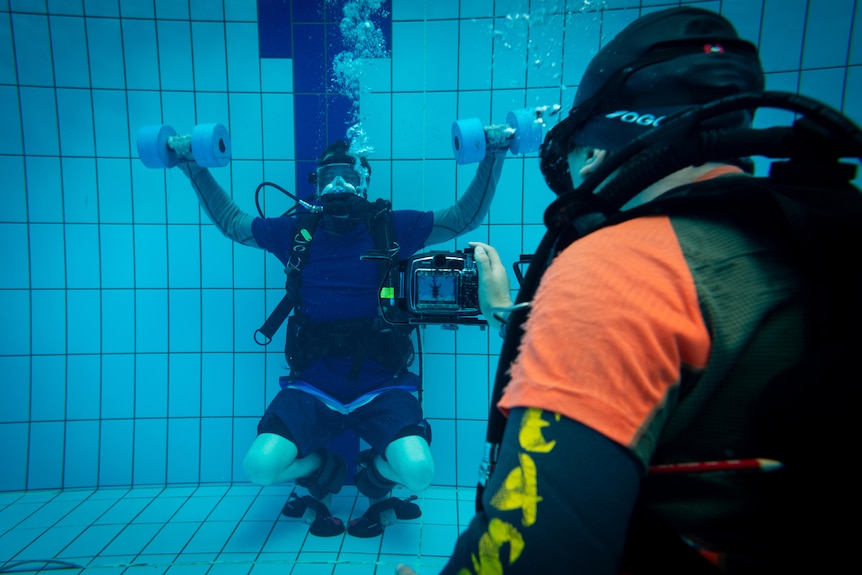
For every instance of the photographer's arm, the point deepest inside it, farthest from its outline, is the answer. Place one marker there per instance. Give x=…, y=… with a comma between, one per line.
x=559, y=501
x=224, y=213
x=469, y=211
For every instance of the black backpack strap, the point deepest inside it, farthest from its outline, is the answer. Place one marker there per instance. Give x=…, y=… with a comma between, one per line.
x=392, y=318
x=306, y=226
x=386, y=249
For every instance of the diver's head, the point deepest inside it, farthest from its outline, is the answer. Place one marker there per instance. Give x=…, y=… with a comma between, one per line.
x=338, y=172
x=663, y=63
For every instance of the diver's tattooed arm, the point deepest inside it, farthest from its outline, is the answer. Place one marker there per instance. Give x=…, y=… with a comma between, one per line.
x=469, y=211
x=224, y=213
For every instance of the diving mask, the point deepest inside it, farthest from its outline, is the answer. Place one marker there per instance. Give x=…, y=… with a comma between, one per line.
x=339, y=178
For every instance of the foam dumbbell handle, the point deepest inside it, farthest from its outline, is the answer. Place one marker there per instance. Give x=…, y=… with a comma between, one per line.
x=211, y=145
x=528, y=131
x=153, y=147
x=468, y=140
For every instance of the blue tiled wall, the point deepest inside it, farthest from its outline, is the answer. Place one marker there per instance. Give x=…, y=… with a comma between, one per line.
x=126, y=354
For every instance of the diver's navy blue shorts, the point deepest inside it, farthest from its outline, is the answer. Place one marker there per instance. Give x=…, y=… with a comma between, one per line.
x=307, y=422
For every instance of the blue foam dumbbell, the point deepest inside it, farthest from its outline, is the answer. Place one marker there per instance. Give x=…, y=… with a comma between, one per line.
x=522, y=134
x=159, y=146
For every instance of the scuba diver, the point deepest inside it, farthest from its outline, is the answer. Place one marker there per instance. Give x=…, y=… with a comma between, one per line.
x=348, y=360
x=674, y=390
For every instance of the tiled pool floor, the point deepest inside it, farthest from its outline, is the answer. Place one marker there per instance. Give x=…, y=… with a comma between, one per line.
x=214, y=530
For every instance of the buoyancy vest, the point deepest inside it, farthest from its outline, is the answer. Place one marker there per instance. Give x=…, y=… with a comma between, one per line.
x=380, y=339
x=770, y=263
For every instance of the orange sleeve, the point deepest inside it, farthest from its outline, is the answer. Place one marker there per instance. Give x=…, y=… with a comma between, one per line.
x=614, y=320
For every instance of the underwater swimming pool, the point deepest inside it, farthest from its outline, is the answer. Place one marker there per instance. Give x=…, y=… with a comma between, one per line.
x=130, y=382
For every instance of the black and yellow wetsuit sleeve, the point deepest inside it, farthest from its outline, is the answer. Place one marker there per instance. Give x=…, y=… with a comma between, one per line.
x=559, y=501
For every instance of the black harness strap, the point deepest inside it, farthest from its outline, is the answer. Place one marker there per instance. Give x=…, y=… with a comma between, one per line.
x=379, y=224
x=306, y=226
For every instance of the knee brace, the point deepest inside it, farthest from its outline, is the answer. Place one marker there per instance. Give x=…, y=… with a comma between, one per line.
x=328, y=478
x=368, y=480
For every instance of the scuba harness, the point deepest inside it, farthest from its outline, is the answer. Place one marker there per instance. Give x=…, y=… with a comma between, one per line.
x=383, y=339
x=809, y=198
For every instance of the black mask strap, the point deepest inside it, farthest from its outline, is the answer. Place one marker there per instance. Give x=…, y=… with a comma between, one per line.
x=558, y=144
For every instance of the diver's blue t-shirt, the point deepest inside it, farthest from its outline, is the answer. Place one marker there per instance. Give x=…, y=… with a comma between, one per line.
x=338, y=285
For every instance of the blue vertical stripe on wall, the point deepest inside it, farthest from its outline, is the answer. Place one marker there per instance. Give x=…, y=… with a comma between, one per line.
x=321, y=115
x=309, y=63
x=275, y=34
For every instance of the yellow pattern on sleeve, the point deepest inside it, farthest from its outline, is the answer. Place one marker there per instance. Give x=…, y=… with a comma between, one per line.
x=499, y=533
x=520, y=491
x=530, y=436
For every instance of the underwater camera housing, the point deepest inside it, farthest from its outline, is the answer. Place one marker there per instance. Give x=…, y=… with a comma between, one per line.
x=441, y=287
